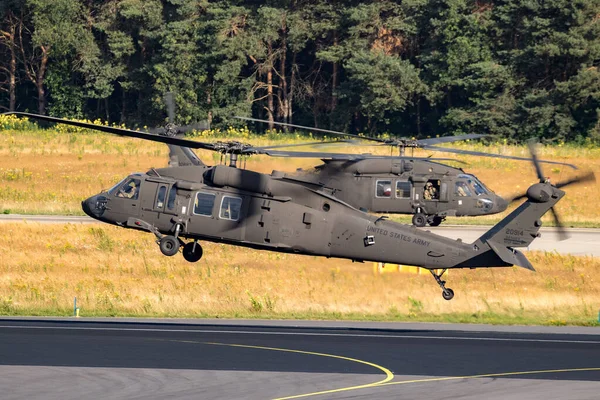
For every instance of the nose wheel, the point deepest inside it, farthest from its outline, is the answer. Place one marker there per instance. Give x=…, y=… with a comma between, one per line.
x=169, y=245
x=447, y=293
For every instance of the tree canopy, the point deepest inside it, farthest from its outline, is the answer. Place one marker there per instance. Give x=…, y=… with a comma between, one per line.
x=512, y=68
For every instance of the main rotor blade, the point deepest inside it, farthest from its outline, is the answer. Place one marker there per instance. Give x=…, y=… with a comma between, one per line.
x=303, y=144
x=120, y=131
x=312, y=129
x=450, y=139
x=481, y=154
x=341, y=156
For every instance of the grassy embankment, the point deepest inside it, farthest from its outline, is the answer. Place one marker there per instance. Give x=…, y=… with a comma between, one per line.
x=113, y=271
x=50, y=171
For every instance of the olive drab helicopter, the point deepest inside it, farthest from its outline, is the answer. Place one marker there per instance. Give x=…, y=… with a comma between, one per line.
x=186, y=204
x=427, y=189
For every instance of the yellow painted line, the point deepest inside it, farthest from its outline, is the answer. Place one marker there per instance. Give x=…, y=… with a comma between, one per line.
x=388, y=374
x=496, y=375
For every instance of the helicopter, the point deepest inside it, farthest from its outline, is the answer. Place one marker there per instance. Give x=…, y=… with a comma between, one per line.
x=224, y=204
x=429, y=190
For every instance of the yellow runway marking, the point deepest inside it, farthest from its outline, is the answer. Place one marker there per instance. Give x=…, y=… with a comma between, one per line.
x=496, y=375
x=388, y=374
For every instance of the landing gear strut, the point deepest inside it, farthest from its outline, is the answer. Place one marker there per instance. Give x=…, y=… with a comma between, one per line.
x=447, y=293
x=192, y=251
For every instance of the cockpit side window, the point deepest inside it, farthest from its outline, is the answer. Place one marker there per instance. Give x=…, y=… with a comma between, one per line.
x=461, y=189
x=160, y=199
x=172, y=196
x=383, y=188
x=130, y=189
x=230, y=208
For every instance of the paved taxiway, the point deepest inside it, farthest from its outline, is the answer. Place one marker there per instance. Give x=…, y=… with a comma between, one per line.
x=74, y=359
x=581, y=241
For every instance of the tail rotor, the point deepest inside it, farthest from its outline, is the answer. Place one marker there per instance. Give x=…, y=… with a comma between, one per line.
x=588, y=177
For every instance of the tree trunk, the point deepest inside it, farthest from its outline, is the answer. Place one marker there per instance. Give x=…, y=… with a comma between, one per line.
x=283, y=87
x=334, y=78
x=12, y=71
x=270, y=106
x=291, y=92
x=39, y=81
x=10, y=39
x=106, y=110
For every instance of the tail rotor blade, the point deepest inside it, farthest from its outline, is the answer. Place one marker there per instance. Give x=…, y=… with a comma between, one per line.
x=562, y=233
x=587, y=178
x=536, y=162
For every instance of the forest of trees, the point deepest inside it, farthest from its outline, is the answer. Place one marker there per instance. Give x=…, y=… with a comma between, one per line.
x=514, y=68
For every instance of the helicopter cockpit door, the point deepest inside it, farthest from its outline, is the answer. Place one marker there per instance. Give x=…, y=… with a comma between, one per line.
x=124, y=202
x=444, y=192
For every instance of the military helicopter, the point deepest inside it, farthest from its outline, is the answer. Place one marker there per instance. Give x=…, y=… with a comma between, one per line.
x=273, y=212
x=427, y=189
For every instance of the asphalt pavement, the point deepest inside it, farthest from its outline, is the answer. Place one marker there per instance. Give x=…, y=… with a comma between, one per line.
x=156, y=359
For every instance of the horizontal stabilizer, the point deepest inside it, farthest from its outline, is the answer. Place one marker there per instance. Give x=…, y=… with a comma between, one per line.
x=511, y=256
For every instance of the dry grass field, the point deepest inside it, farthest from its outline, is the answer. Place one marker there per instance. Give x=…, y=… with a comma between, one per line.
x=117, y=272
x=113, y=271
x=51, y=171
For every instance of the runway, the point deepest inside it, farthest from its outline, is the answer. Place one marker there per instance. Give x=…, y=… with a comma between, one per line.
x=581, y=241
x=74, y=359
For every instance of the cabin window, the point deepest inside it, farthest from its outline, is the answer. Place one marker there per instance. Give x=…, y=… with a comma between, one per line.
x=461, y=189
x=384, y=189
x=203, y=205
x=403, y=189
x=130, y=189
x=160, y=199
x=172, y=196
x=230, y=208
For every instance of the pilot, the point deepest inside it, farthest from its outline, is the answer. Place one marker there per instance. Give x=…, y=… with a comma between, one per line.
x=461, y=190
x=430, y=192
x=129, y=191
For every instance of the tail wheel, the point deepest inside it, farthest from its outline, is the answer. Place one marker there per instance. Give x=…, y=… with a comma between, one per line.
x=169, y=245
x=448, y=294
x=435, y=221
x=419, y=220
x=192, y=252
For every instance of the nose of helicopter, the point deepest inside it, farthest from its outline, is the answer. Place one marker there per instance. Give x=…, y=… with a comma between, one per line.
x=94, y=206
x=501, y=204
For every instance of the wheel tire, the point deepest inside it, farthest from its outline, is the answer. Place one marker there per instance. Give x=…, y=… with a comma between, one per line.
x=419, y=220
x=189, y=254
x=169, y=245
x=448, y=294
x=436, y=221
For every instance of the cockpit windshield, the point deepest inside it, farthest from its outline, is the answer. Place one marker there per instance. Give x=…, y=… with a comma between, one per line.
x=128, y=188
x=113, y=189
x=476, y=186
